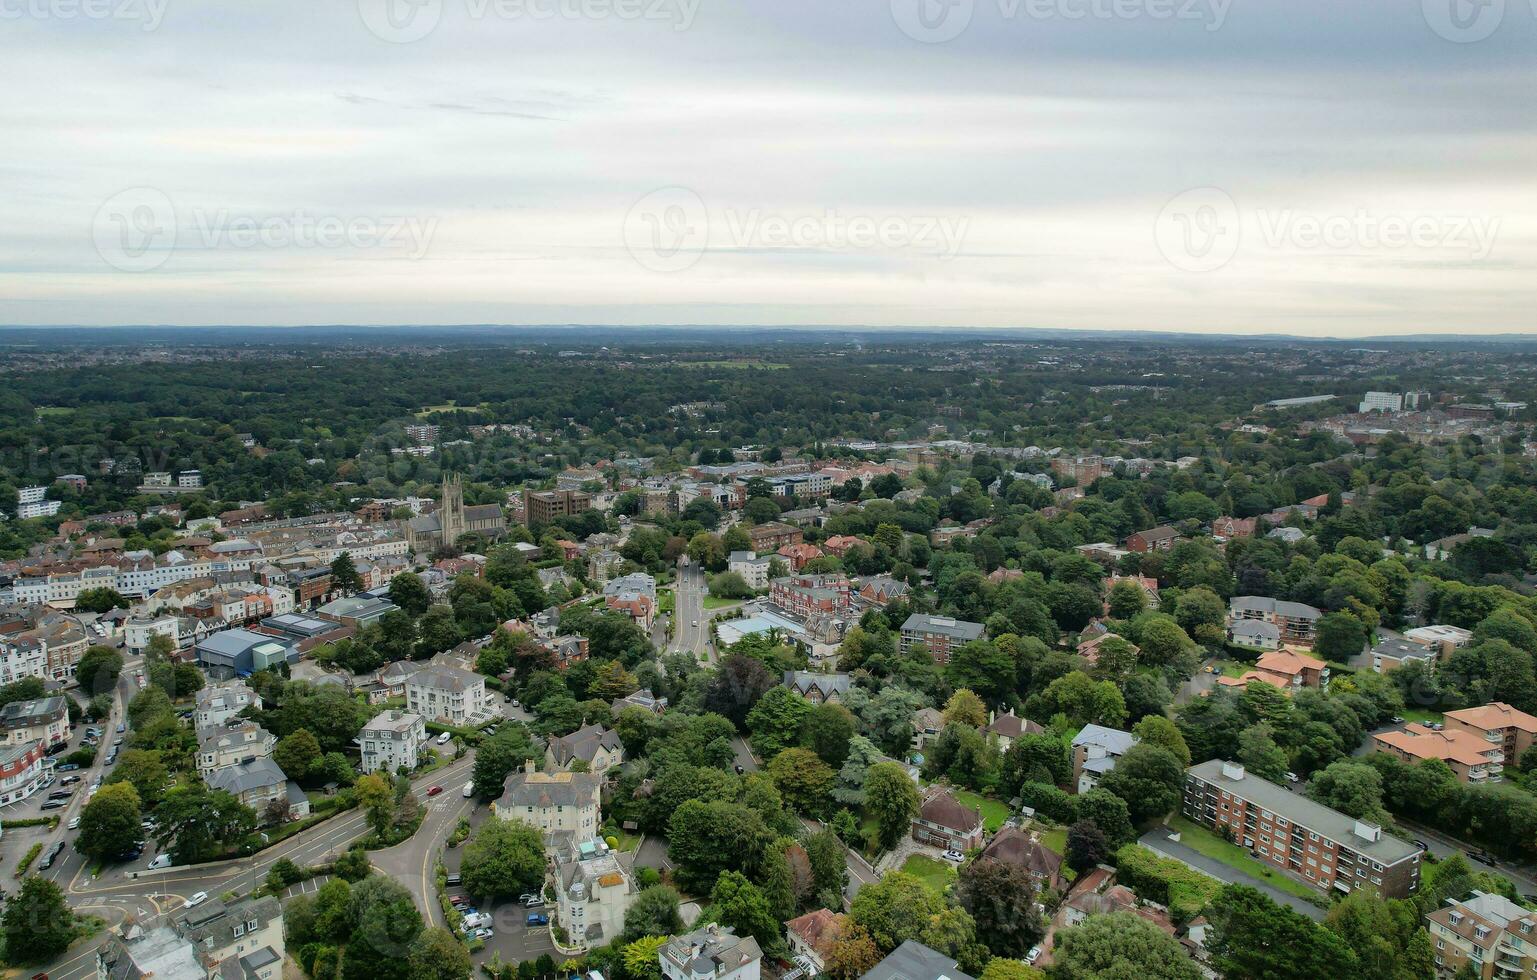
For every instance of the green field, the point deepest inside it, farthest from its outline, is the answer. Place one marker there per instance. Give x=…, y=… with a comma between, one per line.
x=1055, y=840
x=1421, y=714
x=715, y=602
x=1203, y=841
x=937, y=875
x=993, y=812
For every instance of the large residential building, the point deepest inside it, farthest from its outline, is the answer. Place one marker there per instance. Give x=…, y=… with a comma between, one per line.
x=1153, y=539
x=1492, y=935
x=448, y=696
x=543, y=506
x=1472, y=759
x=558, y=802
x=1095, y=749
x=595, y=891
x=753, y=568
x=773, y=535
x=914, y=961
x=1497, y=724
x=806, y=596
x=1286, y=830
x=216, y=705
x=1381, y=401
x=1297, y=621
x=242, y=941
x=45, y=720
x=21, y=771
x=939, y=634
x=156, y=954
x=223, y=746
x=391, y=740
x=595, y=747
x=711, y=952
x=138, y=631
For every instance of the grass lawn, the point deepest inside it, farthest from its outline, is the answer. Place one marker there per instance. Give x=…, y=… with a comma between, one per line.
x=667, y=601
x=1235, y=856
x=715, y=602
x=993, y=812
x=1421, y=714
x=1232, y=668
x=1055, y=840
x=937, y=875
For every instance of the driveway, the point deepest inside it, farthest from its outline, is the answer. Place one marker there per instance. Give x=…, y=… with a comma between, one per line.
x=1157, y=840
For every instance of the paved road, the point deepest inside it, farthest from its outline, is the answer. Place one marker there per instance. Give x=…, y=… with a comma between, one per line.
x=414, y=862
x=122, y=887
x=691, y=589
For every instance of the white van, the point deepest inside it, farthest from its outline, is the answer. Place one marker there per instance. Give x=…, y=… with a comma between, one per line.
x=443, y=738
x=161, y=861
x=469, y=790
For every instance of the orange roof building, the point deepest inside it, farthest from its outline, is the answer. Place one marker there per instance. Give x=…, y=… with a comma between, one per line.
x=1473, y=759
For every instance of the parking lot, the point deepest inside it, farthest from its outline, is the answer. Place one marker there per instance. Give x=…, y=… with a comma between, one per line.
x=512, y=937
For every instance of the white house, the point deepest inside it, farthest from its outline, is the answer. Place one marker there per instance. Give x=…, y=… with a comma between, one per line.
x=711, y=952
x=391, y=740
x=218, y=704
x=595, y=892
x=448, y=696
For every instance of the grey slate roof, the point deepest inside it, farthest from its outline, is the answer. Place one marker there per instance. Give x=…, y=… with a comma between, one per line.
x=246, y=776
x=955, y=629
x=802, y=681
x=581, y=789
x=583, y=744
x=914, y=961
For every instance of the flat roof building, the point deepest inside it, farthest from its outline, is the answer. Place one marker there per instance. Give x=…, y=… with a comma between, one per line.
x=1323, y=847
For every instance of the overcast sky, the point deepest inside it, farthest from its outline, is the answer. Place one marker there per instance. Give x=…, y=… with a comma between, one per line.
x=1324, y=167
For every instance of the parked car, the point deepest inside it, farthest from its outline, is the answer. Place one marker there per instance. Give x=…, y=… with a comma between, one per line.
x=454, y=879
x=1291, y=777
x=112, y=757
x=434, y=790
x=69, y=780
x=54, y=805
x=68, y=767
x=197, y=898
x=1033, y=955
x=1398, y=719
x=483, y=933
x=469, y=790
x=161, y=861
x=954, y=857
x=117, y=742
x=61, y=794
x=538, y=919
x=121, y=728
x=49, y=856
x=459, y=902
x=443, y=738
x=533, y=901
x=1485, y=857
x=74, y=824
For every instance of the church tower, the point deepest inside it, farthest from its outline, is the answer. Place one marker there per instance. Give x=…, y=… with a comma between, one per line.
x=451, y=510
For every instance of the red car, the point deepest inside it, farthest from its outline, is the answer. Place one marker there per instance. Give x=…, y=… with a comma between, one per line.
x=434, y=791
